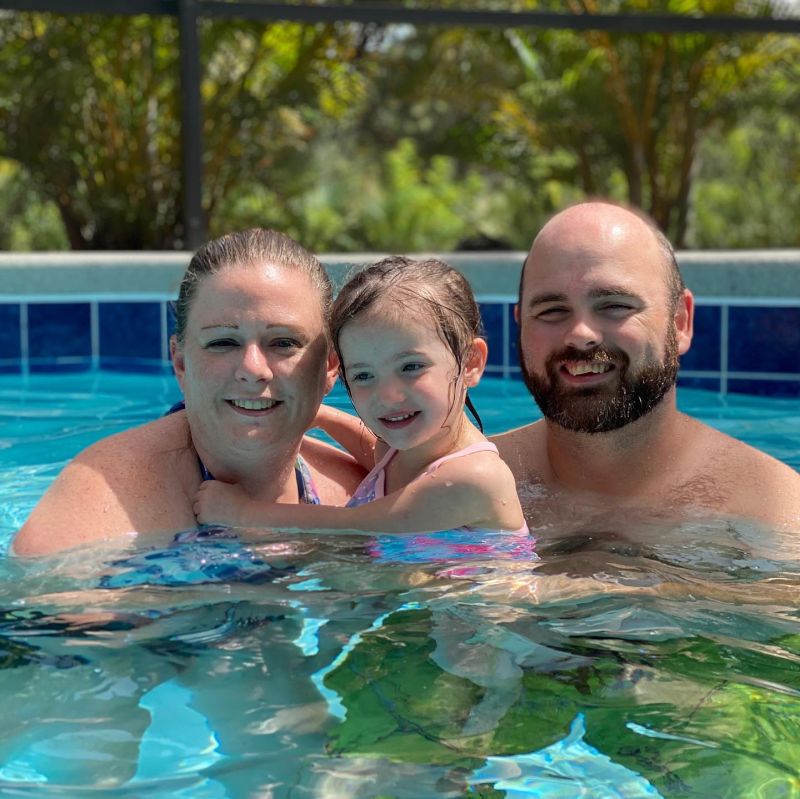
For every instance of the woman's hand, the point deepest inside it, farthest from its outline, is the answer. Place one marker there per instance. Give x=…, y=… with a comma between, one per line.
x=221, y=503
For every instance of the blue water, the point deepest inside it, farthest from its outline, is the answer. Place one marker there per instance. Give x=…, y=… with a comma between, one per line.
x=667, y=665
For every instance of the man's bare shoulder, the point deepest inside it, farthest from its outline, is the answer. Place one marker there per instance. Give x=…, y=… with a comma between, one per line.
x=523, y=449
x=753, y=484
x=336, y=473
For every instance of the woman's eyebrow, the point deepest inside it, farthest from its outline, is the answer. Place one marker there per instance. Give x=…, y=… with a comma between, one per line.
x=227, y=325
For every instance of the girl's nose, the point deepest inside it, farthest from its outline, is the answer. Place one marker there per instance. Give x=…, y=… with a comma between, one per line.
x=253, y=365
x=583, y=334
x=390, y=392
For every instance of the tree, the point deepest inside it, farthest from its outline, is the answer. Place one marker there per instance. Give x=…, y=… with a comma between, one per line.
x=90, y=107
x=636, y=105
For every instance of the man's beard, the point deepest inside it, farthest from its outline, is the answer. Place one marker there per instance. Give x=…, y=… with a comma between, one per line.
x=601, y=409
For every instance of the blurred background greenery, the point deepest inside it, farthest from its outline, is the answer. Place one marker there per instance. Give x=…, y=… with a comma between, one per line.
x=394, y=137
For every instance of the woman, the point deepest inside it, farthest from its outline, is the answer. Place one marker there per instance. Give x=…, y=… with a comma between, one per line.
x=252, y=357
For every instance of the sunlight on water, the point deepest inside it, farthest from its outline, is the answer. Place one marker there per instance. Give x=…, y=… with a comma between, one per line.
x=648, y=660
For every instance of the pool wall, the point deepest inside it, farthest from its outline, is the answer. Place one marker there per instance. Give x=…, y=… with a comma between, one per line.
x=77, y=311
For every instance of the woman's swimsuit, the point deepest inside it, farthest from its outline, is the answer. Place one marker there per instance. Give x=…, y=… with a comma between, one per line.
x=207, y=554
x=458, y=543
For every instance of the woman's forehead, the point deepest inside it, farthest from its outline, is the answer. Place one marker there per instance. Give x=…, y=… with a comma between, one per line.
x=261, y=288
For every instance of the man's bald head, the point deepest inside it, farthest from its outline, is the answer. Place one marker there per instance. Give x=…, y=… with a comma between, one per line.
x=583, y=226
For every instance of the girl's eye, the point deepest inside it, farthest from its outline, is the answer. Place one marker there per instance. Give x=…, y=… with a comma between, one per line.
x=413, y=367
x=359, y=377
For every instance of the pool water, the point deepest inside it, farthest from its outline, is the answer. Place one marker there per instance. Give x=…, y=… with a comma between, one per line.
x=299, y=667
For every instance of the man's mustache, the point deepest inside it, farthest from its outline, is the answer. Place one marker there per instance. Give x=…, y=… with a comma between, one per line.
x=599, y=354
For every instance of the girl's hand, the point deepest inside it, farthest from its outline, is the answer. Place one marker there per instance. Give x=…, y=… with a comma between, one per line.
x=220, y=503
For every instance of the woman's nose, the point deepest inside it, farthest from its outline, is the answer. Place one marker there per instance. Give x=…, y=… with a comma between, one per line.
x=253, y=365
x=583, y=334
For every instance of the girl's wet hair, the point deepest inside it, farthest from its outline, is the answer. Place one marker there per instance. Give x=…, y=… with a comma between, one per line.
x=245, y=248
x=428, y=289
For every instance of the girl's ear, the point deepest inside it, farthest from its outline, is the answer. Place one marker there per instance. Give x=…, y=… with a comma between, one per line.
x=331, y=370
x=475, y=362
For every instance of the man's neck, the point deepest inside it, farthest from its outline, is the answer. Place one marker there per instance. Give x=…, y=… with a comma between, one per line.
x=624, y=462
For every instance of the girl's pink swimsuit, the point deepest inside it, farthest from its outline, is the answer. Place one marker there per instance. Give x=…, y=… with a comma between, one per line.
x=458, y=543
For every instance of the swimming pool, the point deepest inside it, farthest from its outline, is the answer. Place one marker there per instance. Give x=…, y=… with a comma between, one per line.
x=630, y=665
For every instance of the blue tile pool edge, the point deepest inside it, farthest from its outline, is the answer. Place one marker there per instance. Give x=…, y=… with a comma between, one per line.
x=725, y=327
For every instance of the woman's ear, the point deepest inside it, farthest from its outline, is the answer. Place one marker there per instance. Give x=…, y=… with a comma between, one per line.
x=475, y=362
x=178, y=361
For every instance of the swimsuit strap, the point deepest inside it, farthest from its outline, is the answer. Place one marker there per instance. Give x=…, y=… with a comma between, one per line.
x=481, y=446
x=306, y=490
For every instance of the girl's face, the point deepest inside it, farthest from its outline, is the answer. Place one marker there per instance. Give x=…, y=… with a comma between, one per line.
x=403, y=379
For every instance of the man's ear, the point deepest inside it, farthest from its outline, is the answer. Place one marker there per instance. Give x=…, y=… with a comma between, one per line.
x=475, y=362
x=331, y=370
x=178, y=360
x=516, y=312
x=684, y=321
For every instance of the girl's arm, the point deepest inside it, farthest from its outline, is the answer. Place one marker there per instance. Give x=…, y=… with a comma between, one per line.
x=350, y=432
x=477, y=491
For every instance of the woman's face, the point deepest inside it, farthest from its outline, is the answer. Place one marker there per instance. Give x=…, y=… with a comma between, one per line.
x=254, y=364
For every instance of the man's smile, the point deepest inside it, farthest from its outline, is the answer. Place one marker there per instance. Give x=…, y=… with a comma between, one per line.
x=577, y=368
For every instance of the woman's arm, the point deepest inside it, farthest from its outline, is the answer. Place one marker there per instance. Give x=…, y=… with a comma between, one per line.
x=466, y=492
x=350, y=432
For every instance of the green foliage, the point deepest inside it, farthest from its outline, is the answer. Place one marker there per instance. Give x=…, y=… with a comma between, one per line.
x=27, y=222
x=748, y=185
x=636, y=105
x=399, y=138
x=90, y=107
x=355, y=200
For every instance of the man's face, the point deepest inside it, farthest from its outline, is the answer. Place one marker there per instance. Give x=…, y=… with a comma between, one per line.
x=599, y=339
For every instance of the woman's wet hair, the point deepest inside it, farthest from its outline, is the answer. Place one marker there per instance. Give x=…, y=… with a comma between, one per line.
x=424, y=289
x=245, y=248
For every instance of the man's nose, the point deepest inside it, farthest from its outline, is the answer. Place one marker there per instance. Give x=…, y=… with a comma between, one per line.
x=583, y=334
x=253, y=365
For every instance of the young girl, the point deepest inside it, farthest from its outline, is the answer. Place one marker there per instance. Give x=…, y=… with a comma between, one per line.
x=407, y=336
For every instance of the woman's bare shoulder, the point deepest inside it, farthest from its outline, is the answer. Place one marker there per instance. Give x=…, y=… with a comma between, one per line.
x=130, y=481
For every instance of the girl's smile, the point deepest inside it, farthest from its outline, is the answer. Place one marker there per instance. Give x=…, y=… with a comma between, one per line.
x=403, y=379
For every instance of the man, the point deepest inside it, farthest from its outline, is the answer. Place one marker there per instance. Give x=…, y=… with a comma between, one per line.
x=604, y=317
